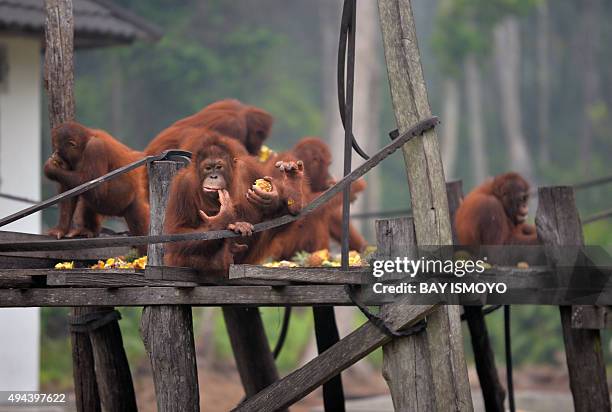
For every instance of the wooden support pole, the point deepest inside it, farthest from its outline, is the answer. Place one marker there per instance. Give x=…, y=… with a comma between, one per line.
x=251, y=349
x=112, y=369
x=167, y=330
x=493, y=392
x=558, y=226
x=406, y=360
x=427, y=193
x=101, y=370
x=59, y=82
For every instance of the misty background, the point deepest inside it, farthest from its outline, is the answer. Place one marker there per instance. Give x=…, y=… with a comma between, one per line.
x=519, y=85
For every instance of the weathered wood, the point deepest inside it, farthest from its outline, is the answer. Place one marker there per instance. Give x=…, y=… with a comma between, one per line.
x=427, y=192
x=199, y=296
x=167, y=331
x=19, y=262
x=59, y=82
x=59, y=66
x=558, y=224
x=109, y=280
x=454, y=193
x=493, y=392
x=255, y=364
x=318, y=275
x=53, y=256
x=407, y=366
x=112, y=369
x=18, y=281
x=339, y=357
x=591, y=317
x=87, y=397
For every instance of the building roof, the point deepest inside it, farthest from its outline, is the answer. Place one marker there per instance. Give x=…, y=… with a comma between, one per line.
x=96, y=22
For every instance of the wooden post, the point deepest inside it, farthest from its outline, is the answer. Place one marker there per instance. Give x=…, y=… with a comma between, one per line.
x=427, y=193
x=251, y=349
x=112, y=368
x=407, y=360
x=167, y=331
x=558, y=225
x=100, y=365
x=493, y=392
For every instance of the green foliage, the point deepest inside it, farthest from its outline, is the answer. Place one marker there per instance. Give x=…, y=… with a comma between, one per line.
x=465, y=27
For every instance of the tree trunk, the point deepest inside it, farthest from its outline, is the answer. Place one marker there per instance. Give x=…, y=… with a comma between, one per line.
x=543, y=44
x=450, y=127
x=507, y=61
x=473, y=90
x=590, y=44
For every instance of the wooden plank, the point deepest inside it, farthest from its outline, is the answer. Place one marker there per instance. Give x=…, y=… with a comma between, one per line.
x=112, y=369
x=591, y=317
x=105, y=280
x=427, y=193
x=493, y=392
x=17, y=281
x=407, y=366
x=59, y=81
x=339, y=357
x=65, y=255
x=558, y=224
x=530, y=278
x=201, y=296
x=167, y=330
x=244, y=295
x=318, y=275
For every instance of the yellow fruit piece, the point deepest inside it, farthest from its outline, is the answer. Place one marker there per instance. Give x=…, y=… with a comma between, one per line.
x=286, y=264
x=140, y=263
x=99, y=265
x=264, y=185
x=486, y=265
x=65, y=265
x=265, y=153
x=522, y=265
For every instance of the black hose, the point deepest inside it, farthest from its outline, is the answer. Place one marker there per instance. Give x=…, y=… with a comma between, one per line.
x=283, y=333
x=508, y=358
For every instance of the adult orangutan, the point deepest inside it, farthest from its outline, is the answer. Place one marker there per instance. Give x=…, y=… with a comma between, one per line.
x=494, y=213
x=315, y=154
x=81, y=154
x=217, y=191
x=248, y=124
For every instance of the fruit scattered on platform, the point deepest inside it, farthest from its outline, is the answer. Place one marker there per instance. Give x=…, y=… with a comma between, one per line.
x=320, y=258
x=64, y=265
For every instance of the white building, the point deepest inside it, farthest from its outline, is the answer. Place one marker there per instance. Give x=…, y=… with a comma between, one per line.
x=98, y=23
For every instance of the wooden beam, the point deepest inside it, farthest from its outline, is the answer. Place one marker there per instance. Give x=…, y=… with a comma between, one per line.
x=318, y=275
x=427, y=192
x=64, y=255
x=198, y=296
x=239, y=295
x=591, y=317
x=339, y=357
x=493, y=392
x=558, y=224
x=167, y=330
x=106, y=280
x=407, y=366
x=59, y=82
